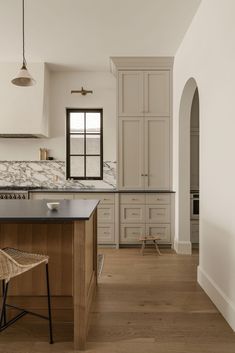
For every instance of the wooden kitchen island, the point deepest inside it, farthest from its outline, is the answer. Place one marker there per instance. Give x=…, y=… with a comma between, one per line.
x=69, y=237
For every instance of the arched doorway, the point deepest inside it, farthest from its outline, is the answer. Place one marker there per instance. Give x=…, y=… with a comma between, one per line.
x=184, y=217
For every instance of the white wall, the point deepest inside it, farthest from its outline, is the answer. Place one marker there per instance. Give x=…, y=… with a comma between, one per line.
x=207, y=53
x=103, y=85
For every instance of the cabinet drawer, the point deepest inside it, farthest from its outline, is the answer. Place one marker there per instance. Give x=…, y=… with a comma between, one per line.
x=132, y=213
x=106, y=214
x=131, y=233
x=161, y=230
x=104, y=198
x=158, y=214
x=132, y=198
x=50, y=196
x=106, y=233
x=158, y=199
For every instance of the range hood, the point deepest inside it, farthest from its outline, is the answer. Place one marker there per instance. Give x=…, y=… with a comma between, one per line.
x=24, y=110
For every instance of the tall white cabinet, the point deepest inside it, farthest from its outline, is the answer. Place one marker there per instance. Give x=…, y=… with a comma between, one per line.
x=144, y=87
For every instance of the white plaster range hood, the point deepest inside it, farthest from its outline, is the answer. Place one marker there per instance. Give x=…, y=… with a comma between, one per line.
x=24, y=110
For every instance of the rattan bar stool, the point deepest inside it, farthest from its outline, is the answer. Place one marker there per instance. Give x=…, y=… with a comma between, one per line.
x=13, y=263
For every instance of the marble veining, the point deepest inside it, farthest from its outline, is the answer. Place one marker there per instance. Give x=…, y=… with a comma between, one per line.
x=51, y=174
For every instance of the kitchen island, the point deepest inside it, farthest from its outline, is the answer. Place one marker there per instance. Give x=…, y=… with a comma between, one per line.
x=69, y=237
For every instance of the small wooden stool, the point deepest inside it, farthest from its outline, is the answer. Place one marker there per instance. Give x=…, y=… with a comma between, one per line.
x=152, y=238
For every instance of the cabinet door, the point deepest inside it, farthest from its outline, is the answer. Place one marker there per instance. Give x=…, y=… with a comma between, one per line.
x=50, y=196
x=161, y=230
x=157, y=153
x=130, y=153
x=106, y=233
x=104, y=198
x=130, y=93
x=131, y=233
x=157, y=93
x=132, y=213
x=158, y=214
x=105, y=214
x=194, y=236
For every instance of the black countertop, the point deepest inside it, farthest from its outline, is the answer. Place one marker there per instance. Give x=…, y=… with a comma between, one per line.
x=37, y=210
x=76, y=190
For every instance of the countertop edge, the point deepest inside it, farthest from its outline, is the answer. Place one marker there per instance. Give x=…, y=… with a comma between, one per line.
x=69, y=191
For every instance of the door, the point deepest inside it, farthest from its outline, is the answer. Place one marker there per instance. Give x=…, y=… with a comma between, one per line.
x=157, y=153
x=157, y=93
x=131, y=153
x=130, y=93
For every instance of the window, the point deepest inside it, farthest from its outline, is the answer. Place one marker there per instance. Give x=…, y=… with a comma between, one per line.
x=84, y=144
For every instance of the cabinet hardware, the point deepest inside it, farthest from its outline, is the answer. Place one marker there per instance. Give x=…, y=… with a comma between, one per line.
x=106, y=214
x=135, y=214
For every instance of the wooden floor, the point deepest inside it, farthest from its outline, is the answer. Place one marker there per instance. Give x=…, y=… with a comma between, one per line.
x=145, y=304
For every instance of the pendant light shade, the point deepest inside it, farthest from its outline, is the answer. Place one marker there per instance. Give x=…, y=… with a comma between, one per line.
x=23, y=78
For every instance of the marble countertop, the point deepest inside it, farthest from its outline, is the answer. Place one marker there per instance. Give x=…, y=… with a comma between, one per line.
x=37, y=210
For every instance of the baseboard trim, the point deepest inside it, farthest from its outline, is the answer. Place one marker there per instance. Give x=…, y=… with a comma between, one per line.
x=218, y=297
x=183, y=247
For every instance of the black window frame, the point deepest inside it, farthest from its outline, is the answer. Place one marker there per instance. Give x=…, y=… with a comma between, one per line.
x=68, y=139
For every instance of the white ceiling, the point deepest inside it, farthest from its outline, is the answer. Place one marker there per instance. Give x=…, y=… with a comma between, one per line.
x=83, y=34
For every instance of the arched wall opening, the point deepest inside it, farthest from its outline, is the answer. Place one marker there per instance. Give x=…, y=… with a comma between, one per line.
x=183, y=244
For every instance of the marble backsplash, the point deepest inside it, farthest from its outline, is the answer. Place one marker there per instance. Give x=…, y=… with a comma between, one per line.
x=50, y=174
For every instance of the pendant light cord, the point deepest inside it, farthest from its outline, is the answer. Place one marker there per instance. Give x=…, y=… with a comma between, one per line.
x=24, y=60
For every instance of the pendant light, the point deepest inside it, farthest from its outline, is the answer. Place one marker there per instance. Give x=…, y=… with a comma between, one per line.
x=23, y=78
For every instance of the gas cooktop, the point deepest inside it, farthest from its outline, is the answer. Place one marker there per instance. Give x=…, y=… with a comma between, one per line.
x=19, y=188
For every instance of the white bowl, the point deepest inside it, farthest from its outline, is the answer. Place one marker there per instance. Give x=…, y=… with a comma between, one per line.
x=53, y=205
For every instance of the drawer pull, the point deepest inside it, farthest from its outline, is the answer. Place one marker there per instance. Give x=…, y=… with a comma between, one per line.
x=106, y=214
x=136, y=233
x=106, y=232
x=134, y=199
x=106, y=199
x=135, y=214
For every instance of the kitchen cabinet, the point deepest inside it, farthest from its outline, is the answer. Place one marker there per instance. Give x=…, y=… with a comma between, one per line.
x=123, y=217
x=146, y=214
x=144, y=153
x=144, y=93
x=131, y=153
x=194, y=236
x=144, y=114
x=105, y=210
x=194, y=159
x=131, y=93
x=51, y=196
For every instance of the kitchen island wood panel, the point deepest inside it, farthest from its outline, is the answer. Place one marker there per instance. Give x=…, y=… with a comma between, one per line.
x=69, y=237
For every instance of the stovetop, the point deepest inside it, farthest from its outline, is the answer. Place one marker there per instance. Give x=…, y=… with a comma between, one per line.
x=19, y=188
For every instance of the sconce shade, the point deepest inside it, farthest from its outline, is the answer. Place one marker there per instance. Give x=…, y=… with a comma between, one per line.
x=23, y=78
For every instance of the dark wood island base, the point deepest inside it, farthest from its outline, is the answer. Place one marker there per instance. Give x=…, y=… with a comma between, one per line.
x=72, y=247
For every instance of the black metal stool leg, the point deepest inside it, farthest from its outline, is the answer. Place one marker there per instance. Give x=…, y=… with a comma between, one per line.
x=3, y=309
x=5, y=313
x=49, y=304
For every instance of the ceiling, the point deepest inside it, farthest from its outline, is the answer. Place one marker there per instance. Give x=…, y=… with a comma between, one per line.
x=83, y=34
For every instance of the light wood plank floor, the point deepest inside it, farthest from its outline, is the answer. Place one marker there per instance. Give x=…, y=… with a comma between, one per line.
x=146, y=304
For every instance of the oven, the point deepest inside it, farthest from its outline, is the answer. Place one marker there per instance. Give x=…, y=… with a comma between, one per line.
x=13, y=194
x=194, y=205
